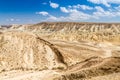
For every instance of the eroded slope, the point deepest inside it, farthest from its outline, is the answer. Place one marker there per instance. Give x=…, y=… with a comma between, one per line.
x=69, y=51
x=19, y=50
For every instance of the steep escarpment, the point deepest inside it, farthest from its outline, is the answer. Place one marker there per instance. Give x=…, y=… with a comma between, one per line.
x=20, y=50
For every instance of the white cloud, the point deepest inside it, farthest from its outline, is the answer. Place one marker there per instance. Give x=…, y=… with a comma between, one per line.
x=75, y=7
x=74, y=15
x=63, y=9
x=78, y=15
x=48, y=16
x=68, y=10
x=44, y=13
x=84, y=7
x=102, y=13
x=98, y=8
x=54, y=5
x=105, y=2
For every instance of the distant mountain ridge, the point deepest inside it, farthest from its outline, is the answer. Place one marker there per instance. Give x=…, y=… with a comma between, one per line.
x=70, y=26
x=72, y=31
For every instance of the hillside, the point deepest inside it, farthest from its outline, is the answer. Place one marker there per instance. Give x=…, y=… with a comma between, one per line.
x=73, y=31
x=60, y=51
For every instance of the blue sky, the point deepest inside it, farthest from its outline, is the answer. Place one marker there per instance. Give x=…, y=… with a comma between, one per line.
x=34, y=11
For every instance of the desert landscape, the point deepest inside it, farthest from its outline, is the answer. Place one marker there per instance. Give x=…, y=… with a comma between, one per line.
x=60, y=51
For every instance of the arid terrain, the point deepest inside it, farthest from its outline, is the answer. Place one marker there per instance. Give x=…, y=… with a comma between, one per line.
x=60, y=51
